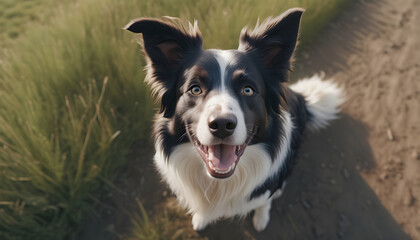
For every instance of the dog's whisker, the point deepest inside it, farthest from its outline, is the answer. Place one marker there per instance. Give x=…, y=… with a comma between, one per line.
x=182, y=137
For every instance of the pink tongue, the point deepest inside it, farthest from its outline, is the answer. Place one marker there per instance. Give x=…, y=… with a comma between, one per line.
x=222, y=156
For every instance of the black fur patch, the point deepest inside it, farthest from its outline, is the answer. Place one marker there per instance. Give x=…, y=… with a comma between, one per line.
x=299, y=115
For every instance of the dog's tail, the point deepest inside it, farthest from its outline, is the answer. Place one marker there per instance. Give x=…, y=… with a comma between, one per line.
x=323, y=99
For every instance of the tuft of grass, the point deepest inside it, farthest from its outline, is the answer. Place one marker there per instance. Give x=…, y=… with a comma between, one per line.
x=169, y=224
x=72, y=100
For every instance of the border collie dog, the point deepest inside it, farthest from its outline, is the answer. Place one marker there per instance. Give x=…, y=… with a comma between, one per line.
x=229, y=126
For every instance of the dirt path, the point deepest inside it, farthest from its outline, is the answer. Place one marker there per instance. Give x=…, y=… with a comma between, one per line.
x=374, y=50
x=359, y=178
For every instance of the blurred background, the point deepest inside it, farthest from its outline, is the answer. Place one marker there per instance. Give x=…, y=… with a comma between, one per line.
x=75, y=120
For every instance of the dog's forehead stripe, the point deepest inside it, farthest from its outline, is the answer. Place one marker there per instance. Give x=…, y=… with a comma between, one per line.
x=223, y=58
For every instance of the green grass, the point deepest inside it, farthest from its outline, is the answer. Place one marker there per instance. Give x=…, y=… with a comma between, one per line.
x=169, y=224
x=18, y=15
x=72, y=100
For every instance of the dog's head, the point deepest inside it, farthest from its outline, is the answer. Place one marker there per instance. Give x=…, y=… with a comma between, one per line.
x=222, y=100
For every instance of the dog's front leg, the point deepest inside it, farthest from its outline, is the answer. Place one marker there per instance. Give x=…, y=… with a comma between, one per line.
x=262, y=216
x=200, y=221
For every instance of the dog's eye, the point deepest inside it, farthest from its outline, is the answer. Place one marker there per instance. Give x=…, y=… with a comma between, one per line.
x=196, y=90
x=247, y=91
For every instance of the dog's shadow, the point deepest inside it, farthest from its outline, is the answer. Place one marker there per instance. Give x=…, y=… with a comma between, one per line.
x=326, y=196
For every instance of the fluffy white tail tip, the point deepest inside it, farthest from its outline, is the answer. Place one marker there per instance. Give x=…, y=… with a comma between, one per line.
x=323, y=99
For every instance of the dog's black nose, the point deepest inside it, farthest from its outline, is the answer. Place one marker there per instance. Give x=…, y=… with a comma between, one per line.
x=222, y=125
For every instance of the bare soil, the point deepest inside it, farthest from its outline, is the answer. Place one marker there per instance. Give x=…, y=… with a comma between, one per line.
x=357, y=179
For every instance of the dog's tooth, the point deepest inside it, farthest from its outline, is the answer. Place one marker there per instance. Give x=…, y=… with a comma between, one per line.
x=211, y=165
x=226, y=171
x=222, y=172
x=230, y=168
x=211, y=155
x=237, y=149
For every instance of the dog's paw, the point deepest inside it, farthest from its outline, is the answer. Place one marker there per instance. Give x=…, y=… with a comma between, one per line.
x=198, y=222
x=261, y=218
x=277, y=194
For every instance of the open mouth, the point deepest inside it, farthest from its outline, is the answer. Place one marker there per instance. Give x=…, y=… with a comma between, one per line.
x=221, y=159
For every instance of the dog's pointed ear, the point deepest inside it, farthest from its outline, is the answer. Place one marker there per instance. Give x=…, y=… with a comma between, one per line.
x=166, y=43
x=169, y=47
x=273, y=42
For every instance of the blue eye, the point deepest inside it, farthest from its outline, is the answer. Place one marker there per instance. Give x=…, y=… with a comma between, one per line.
x=196, y=90
x=247, y=91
